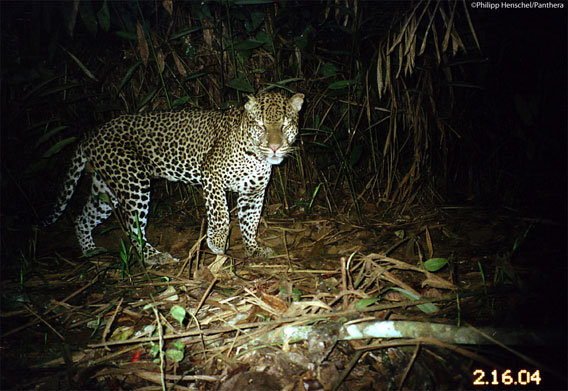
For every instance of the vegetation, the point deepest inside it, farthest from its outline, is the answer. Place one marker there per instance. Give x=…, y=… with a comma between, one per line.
x=381, y=82
x=389, y=88
x=409, y=104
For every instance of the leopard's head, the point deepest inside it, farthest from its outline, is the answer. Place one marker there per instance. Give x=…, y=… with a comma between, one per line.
x=272, y=124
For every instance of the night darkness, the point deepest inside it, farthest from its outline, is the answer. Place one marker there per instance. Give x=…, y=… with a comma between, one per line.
x=438, y=148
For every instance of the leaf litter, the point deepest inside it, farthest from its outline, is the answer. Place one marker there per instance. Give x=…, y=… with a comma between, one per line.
x=344, y=307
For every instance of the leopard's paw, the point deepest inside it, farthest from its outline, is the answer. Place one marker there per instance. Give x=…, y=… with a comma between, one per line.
x=260, y=252
x=215, y=247
x=160, y=259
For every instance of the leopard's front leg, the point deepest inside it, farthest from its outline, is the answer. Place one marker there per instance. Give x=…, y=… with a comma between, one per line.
x=217, y=215
x=250, y=206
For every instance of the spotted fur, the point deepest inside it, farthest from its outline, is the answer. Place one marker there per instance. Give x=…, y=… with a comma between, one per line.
x=231, y=150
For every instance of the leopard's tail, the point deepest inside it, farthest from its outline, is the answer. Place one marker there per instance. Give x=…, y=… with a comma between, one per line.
x=68, y=188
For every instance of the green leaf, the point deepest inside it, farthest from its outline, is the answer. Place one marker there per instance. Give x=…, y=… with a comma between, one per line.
x=57, y=89
x=296, y=294
x=50, y=134
x=123, y=251
x=35, y=125
x=241, y=84
x=37, y=88
x=109, y=229
x=314, y=195
x=247, y=44
x=307, y=37
x=256, y=19
x=80, y=64
x=181, y=101
x=59, y=146
x=328, y=69
x=282, y=84
x=183, y=33
x=355, y=155
x=178, y=313
x=88, y=17
x=427, y=308
x=129, y=74
x=400, y=234
x=435, y=264
x=364, y=303
x=263, y=37
x=97, y=251
x=147, y=98
x=226, y=291
x=122, y=333
x=154, y=350
x=263, y=317
x=449, y=234
x=174, y=355
x=103, y=16
x=104, y=198
x=127, y=35
x=520, y=240
x=195, y=75
x=338, y=85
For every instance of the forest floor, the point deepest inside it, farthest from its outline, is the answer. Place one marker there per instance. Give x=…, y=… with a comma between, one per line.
x=229, y=323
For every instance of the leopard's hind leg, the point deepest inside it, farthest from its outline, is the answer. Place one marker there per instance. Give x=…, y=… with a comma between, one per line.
x=133, y=197
x=96, y=210
x=135, y=207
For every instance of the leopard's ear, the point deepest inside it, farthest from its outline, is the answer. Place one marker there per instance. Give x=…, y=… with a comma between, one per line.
x=296, y=101
x=251, y=102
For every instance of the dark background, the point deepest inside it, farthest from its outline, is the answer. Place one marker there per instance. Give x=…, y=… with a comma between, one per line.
x=482, y=126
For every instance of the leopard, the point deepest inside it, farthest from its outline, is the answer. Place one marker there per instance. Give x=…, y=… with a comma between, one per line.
x=222, y=150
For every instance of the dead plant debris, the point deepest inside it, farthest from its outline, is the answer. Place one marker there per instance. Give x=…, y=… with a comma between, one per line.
x=353, y=318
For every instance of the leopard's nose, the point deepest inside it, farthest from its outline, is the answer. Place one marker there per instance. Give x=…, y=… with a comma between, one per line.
x=274, y=147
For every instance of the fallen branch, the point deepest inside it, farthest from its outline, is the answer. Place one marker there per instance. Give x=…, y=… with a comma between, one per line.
x=402, y=329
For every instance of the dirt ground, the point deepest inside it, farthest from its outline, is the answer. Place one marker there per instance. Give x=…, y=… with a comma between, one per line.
x=103, y=323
